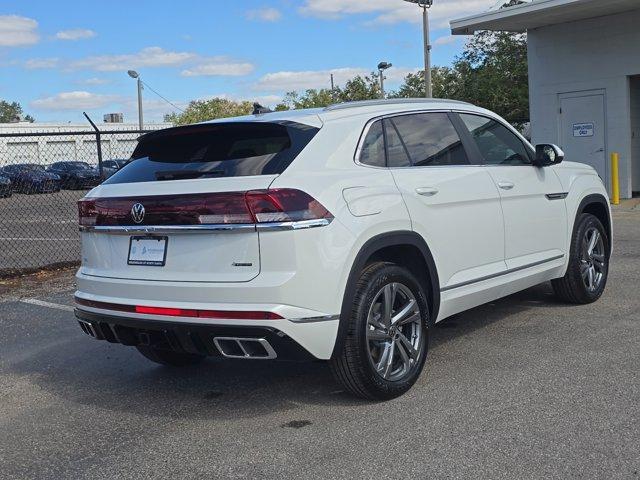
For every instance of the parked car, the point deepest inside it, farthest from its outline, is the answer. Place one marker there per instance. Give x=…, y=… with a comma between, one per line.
x=340, y=234
x=109, y=167
x=75, y=175
x=31, y=178
x=5, y=186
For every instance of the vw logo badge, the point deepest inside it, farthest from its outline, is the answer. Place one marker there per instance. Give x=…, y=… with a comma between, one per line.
x=137, y=212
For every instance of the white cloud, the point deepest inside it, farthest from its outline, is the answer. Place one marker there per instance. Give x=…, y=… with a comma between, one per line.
x=76, y=100
x=17, y=31
x=218, y=66
x=75, y=34
x=150, y=57
x=37, y=63
x=394, y=11
x=264, y=14
x=302, y=80
x=93, y=81
x=147, y=57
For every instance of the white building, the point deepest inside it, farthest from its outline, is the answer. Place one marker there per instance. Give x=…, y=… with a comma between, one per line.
x=37, y=142
x=584, y=77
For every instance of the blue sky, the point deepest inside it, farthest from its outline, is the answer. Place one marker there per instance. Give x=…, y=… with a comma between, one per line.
x=58, y=58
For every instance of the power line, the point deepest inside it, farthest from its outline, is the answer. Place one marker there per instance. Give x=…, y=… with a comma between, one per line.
x=163, y=98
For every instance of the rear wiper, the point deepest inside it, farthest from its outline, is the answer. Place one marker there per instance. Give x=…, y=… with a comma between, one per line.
x=185, y=174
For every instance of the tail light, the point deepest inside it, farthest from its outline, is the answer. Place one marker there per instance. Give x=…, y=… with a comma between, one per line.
x=284, y=205
x=87, y=212
x=256, y=206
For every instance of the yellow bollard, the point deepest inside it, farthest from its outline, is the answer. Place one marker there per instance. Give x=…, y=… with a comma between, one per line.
x=615, y=179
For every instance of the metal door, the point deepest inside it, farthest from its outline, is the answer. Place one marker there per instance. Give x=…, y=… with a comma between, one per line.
x=582, y=130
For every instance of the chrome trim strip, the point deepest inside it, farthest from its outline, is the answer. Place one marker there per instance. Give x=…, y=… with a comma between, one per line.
x=557, y=196
x=142, y=229
x=326, y=318
x=299, y=225
x=213, y=228
x=499, y=274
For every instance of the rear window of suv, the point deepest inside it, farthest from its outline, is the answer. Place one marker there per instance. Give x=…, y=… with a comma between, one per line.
x=232, y=149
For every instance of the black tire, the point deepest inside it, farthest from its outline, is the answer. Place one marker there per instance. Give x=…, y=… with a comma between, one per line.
x=169, y=357
x=573, y=287
x=353, y=366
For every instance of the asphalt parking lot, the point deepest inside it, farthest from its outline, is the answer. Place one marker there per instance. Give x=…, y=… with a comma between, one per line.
x=521, y=388
x=39, y=229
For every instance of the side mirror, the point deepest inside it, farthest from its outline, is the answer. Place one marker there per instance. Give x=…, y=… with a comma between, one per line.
x=548, y=154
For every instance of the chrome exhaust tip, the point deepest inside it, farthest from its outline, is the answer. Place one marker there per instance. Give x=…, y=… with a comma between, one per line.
x=88, y=328
x=246, y=348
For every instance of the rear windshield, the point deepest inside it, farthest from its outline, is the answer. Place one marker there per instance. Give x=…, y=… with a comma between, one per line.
x=215, y=150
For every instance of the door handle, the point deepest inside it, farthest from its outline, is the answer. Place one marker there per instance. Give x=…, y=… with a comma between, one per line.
x=427, y=191
x=506, y=185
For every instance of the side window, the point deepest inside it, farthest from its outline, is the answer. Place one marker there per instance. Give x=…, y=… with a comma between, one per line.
x=497, y=144
x=372, y=152
x=430, y=139
x=397, y=155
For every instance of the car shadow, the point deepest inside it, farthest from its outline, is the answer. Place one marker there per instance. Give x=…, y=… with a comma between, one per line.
x=112, y=377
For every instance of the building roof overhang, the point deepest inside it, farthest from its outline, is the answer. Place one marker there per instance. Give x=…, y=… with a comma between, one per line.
x=540, y=13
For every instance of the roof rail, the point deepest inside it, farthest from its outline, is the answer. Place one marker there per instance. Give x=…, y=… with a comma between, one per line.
x=389, y=101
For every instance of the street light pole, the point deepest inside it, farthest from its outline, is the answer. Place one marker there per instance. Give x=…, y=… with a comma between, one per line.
x=136, y=75
x=140, y=119
x=382, y=66
x=425, y=5
x=427, y=51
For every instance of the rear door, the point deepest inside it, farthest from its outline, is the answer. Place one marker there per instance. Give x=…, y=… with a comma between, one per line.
x=178, y=211
x=453, y=204
x=535, y=215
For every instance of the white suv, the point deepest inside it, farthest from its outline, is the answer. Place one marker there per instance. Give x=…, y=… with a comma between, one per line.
x=341, y=234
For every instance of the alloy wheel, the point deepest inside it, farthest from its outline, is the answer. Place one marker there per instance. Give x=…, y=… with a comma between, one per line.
x=394, y=332
x=593, y=259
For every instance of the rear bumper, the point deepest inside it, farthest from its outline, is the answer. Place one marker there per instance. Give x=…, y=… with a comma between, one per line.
x=186, y=337
x=315, y=334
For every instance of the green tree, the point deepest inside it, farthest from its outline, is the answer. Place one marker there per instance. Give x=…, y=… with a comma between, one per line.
x=443, y=80
x=12, y=112
x=357, y=88
x=203, y=110
x=493, y=73
x=360, y=88
x=311, y=98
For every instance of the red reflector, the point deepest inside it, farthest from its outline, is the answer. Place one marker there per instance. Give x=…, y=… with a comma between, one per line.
x=181, y=312
x=171, y=312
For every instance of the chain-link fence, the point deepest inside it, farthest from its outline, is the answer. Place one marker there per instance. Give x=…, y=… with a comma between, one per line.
x=42, y=176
